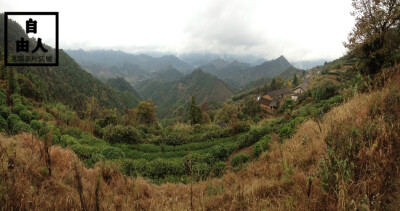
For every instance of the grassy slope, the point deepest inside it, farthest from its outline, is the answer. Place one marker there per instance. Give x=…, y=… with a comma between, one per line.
x=279, y=179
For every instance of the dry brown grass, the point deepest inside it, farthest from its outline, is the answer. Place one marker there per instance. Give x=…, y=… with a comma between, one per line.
x=285, y=178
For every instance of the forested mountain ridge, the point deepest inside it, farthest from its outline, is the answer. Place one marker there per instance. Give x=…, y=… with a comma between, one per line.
x=242, y=73
x=122, y=85
x=67, y=83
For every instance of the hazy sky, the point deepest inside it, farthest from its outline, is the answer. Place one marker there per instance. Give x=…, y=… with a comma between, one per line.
x=299, y=30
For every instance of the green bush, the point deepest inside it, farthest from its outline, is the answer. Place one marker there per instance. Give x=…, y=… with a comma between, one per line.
x=123, y=134
x=66, y=140
x=17, y=108
x=240, y=127
x=5, y=111
x=219, y=152
x=20, y=127
x=201, y=170
x=286, y=130
x=289, y=104
x=25, y=115
x=219, y=168
x=249, y=139
x=15, y=98
x=46, y=129
x=3, y=98
x=135, y=167
x=74, y=132
x=173, y=139
x=264, y=142
x=12, y=120
x=198, y=158
x=113, y=153
x=95, y=158
x=257, y=150
x=36, y=124
x=239, y=159
x=325, y=91
x=84, y=152
x=159, y=168
x=35, y=115
x=3, y=124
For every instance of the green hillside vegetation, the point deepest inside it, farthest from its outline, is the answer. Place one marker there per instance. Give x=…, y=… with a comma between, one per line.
x=170, y=95
x=122, y=85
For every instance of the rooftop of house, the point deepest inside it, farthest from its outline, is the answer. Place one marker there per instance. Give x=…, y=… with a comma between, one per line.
x=266, y=96
x=279, y=92
x=303, y=86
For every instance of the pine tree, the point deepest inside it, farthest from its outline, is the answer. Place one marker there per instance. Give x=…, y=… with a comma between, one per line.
x=13, y=87
x=295, y=81
x=273, y=84
x=195, y=115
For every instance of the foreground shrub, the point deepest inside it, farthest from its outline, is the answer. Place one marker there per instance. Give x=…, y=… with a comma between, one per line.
x=66, y=140
x=135, y=167
x=159, y=168
x=240, y=127
x=18, y=107
x=239, y=159
x=20, y=127
x=12, y=120
x=5, y=111
x=219, y=152
x=36, y=124
x=257, y=150
x=219, y=168
x=97, y=157
x=84, y=152
x=25, y=115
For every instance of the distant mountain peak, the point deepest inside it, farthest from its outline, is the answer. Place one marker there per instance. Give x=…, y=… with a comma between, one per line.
x=282, y=59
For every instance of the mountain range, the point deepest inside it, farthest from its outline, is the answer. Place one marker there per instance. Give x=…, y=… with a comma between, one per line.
x=170, y=95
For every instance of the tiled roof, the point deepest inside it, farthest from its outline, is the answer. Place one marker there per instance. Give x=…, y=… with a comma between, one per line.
x=279, y=92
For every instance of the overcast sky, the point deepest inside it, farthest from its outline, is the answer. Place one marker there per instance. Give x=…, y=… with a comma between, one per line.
x=299, y=30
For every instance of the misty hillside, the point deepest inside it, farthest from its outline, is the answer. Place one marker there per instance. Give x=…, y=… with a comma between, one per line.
x=169, y=95
x=122, y=85
x=167, y=74
x=118, y=58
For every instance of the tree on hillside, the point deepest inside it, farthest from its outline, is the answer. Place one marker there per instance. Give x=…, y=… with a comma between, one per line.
x=195, y=115
x=13, y=87
x=92, y=108
x=145, y=112
x=273, y=84
x=227, y=113
x=375, y=37
x=251, y=107
x=295, y=81
x=277, y=83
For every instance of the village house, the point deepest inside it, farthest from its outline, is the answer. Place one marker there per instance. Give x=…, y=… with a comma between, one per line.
x=265, y=101
x=270, y=101
x=300, y=89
